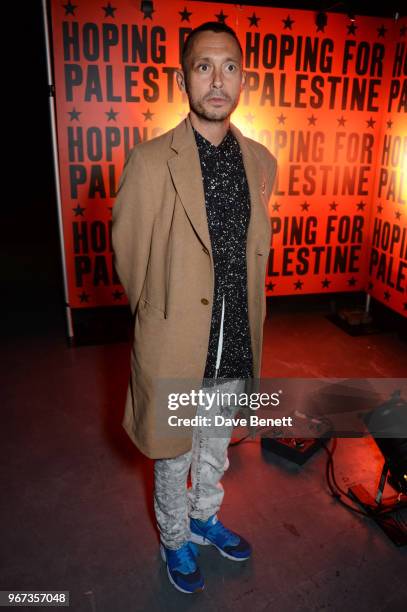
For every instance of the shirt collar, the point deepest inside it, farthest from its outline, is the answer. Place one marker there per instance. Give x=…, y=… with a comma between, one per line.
x=206, y=148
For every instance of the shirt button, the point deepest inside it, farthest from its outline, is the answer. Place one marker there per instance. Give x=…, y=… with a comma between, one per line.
x=205, y=301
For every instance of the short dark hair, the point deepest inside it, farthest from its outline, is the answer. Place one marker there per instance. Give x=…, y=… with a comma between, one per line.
x=208, y=26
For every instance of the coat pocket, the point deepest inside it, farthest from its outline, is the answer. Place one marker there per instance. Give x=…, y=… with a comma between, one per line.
x=148, y=309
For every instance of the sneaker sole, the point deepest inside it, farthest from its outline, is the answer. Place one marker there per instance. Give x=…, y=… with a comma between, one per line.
x=174, y=584
x=197, y=539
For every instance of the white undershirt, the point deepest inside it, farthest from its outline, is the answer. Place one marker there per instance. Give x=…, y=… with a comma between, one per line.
x=220, y=343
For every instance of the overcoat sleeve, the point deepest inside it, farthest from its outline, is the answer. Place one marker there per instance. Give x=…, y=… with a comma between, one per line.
x=132, y=226
x=271, y=175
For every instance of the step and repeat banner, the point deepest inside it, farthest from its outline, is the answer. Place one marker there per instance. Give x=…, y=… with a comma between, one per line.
x=328, y=100
x=387, y=272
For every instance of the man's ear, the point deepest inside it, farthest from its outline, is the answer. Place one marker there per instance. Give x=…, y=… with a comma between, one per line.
x=180, y=80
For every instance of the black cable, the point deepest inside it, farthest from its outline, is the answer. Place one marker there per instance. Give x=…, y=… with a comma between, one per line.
x=339, y=492
x=329, y=461
x=373, y=514
x=335, y=494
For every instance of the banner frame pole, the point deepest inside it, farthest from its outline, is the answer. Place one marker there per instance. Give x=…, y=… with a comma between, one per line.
x=51, y=98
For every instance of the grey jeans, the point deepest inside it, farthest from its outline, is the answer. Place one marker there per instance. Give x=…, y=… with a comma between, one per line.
x=174, y=503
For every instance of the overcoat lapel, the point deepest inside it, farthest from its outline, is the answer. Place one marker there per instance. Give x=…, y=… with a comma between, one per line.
x=185, y=169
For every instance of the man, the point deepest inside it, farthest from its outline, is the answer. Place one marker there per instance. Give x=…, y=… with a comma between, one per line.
x=191, y=236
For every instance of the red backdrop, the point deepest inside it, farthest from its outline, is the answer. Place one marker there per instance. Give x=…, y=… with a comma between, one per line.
x=328, y=101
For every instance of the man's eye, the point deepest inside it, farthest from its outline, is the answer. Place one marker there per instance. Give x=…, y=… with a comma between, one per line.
x=203, y=67
x=230, y=67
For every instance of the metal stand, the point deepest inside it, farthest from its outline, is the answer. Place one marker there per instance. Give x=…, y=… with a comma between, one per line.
x=383, y=511
x=367, y=303
x=51, y=89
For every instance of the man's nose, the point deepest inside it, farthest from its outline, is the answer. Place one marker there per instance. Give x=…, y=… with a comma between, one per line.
x=217, y=80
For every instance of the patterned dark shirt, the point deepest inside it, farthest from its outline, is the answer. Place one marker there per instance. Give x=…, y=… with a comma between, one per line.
x=227, y=201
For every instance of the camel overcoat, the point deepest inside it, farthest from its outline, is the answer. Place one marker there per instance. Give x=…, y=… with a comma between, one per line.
x=163, y=257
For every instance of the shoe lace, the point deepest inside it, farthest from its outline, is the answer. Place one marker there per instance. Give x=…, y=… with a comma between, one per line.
x=223, y=534
x=186, y=558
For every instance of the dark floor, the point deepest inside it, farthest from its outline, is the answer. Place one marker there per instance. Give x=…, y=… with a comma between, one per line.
x=76, y=510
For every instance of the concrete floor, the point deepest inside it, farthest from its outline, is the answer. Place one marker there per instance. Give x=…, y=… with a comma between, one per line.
x=76, y=510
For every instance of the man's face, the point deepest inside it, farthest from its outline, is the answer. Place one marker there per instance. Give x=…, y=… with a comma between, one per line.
x=214, y=77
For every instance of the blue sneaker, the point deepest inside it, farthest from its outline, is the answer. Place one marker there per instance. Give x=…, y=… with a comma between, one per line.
x=228, y=543
x=182, y=567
